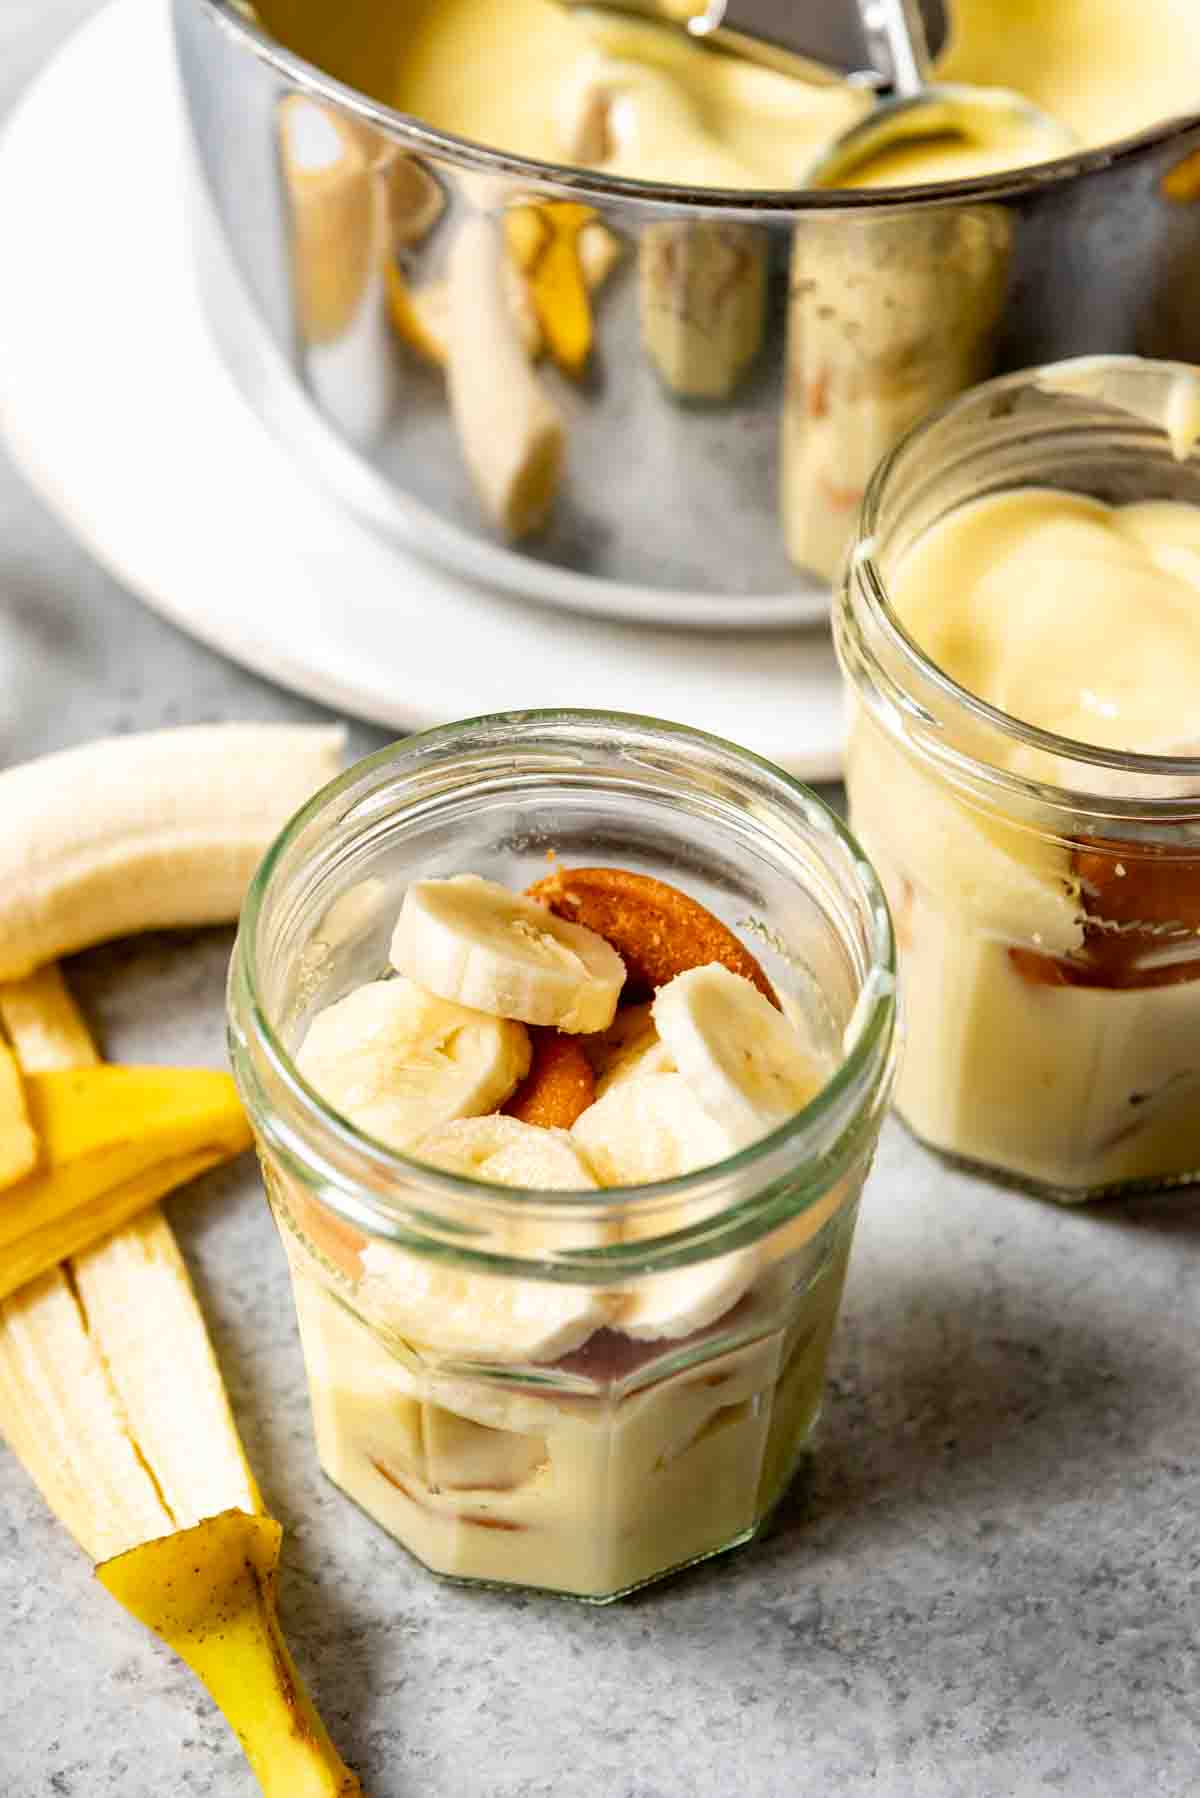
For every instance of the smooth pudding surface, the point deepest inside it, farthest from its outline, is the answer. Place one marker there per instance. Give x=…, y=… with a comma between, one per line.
x=1080, y=618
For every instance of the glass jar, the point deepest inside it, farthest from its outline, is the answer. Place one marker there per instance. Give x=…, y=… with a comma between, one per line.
x=609, y=1465
x=1048, y=919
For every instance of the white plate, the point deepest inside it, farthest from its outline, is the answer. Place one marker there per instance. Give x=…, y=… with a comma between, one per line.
x=115, y=403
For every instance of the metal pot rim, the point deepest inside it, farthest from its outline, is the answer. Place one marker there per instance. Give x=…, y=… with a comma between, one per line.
x=768, y=202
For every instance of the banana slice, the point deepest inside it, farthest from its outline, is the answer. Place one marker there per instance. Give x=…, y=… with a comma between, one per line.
x=397, y=1060
x=743, y=1061
x=991, y=877
x=630, y=1046
x=508, y=1153
x=473, y=942
x=652, y=1127
x=493, y=1317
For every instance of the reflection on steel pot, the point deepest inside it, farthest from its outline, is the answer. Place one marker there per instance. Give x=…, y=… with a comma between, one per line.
x=581, y=387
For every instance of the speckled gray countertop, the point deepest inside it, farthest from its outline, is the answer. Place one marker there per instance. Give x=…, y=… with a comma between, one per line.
x=987, y=1587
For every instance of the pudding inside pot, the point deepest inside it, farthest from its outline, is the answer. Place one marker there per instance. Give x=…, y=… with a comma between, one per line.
x=603, y=90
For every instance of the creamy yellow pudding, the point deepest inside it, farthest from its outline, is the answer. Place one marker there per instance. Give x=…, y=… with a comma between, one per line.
x=513, y=75
x=1052, y=984
x=1080, y=618
x=887, y=315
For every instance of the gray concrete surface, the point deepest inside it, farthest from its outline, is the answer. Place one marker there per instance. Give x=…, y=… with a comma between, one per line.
x=986, y=1588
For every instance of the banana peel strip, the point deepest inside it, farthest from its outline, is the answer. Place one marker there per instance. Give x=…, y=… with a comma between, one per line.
x=18, y=1143
x=558, y=288
x=111, y=1397
x=112, y=1140
x=60, y=1237
x=44, y=1024
x=209, y=1593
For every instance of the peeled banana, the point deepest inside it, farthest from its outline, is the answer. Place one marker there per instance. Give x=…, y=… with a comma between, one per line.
x=650, y=1127
x=145, y=832
x=630, y=1046
x=511, y=432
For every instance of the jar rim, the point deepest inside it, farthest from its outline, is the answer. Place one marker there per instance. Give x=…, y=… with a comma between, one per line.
x=862, y=566
x=231, y=17
x=868, y=1042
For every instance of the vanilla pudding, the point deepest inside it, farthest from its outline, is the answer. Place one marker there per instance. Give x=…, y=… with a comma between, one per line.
x=539, y=316
x=1052, y=975
x=517, y=76
x=588, y=1474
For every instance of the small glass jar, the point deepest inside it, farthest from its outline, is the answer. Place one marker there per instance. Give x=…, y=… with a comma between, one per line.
x=1048, y=920
x=597, y=1470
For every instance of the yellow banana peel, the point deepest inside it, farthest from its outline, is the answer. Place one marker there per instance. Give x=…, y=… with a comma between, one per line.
x=112, y=1398
x=527, y=234
x=43, y=1023
x=18, y=1143
x=111, y=1395
x=59, y=1237
x=558, y=288
x=209, y=1593
x=418, y=315
x=112, y=1140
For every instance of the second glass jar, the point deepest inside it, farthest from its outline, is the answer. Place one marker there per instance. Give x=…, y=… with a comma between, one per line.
x=1048, y=921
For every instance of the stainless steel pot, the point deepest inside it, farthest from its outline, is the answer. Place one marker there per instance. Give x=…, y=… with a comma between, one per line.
x=752, y=355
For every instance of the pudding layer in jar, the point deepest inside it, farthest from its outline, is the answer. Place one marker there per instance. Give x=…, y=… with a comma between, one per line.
x=565, y=1155
x=1022, y=768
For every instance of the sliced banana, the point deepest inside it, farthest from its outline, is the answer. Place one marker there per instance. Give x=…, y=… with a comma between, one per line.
x=508, y=1153
x=631, y=1045
x=398, y=1061
x=472, y=941
x=684, y=1299
x=492, y=1317
x=991, y=876
x=743, y=1061
x=650, y=1127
